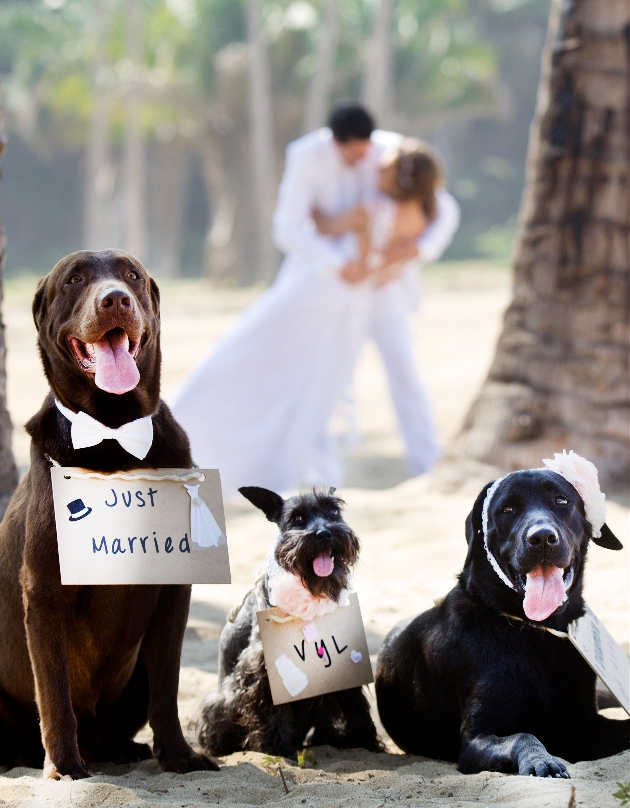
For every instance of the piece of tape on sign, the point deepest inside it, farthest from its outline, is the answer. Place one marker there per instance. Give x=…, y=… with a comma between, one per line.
x=305, y=659
x=149, y=526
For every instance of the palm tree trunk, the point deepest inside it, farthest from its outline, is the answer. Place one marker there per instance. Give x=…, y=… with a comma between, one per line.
x=260, y=111
x=560, y=376
x=319, y=91
x=377, y=81
x=8, y=469
x=134, y=151
x=98, y=169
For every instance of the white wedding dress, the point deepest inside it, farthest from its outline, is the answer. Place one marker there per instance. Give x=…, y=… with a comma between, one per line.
x=258, y=406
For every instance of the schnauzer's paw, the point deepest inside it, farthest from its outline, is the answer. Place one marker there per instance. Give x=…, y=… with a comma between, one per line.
x=543, y=766
x=65, y=770
x=188, y=761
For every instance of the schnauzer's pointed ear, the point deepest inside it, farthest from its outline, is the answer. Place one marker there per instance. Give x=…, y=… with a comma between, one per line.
x=474, y=523
x=270, y=503
x=608, y=539
x=331, y=490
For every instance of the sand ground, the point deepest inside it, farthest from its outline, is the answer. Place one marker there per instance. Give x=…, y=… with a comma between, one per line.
x=413, y=546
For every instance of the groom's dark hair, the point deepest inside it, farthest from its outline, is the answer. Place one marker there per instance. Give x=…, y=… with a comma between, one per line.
x=350, y=122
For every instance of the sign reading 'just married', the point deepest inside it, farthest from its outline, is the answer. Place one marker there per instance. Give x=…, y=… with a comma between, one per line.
x=150, y=526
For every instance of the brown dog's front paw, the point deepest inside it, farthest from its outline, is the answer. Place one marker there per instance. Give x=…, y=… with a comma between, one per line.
x=74, y=770
x=187, y=761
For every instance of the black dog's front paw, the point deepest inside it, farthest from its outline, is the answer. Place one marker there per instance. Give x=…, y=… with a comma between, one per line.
x=543, y=766
x=186, y=761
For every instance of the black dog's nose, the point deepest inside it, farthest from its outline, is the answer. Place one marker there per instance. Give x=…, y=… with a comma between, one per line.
x=323, y=533
x=542, y=536
x=115, y=298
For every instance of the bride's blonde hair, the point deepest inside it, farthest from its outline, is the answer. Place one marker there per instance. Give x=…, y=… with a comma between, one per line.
x=418, y=175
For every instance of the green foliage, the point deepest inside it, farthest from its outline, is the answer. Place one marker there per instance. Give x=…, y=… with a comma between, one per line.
x=271, y=762
x=623, y=793
x=306, y=759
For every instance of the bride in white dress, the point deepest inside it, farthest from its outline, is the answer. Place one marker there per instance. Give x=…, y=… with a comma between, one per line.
x=258, y=407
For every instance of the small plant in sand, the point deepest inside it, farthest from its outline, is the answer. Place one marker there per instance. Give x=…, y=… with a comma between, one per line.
x=272, y=762
x=623, y=793
x=306, y=759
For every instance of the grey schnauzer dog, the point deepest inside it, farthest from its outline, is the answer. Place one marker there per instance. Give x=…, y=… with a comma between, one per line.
x=317, y=546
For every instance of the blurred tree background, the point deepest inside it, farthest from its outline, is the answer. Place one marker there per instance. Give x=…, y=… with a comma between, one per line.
x=159, y=126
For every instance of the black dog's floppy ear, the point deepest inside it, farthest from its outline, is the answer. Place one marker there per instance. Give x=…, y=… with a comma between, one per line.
x=270, y=504
x=474, y=523
x=608, y=539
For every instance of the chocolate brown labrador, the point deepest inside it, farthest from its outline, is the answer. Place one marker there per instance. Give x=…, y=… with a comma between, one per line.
x=82, y=668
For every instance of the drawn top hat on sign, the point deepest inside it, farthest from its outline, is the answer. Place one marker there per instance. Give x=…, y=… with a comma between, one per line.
x=78, y=510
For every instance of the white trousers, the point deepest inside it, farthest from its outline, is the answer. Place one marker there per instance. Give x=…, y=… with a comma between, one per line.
x=389, y=326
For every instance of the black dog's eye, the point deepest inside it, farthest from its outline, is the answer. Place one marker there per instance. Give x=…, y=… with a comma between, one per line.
x=562, y=501
x=507, y=509
x=133, y=276
x=75, y=279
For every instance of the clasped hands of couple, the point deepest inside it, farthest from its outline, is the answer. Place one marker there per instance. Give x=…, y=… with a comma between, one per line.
x=391, y=259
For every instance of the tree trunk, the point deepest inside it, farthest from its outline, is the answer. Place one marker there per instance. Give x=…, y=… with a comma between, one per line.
x=319, y=91
x=99, y=172
x=134, y=152
x=376, y=88
x=560, y=376
x=220, y=254
x=170, y=169
x=260, y=109
x=8, y=469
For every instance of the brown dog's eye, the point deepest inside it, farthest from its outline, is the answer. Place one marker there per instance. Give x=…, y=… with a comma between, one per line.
x=561, y=501
x=75, y=279
x=133, y=276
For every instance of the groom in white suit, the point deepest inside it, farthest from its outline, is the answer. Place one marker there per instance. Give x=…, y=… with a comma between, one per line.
x=332, y=170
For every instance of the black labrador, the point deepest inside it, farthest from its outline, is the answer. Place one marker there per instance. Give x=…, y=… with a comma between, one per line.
x=478, y=679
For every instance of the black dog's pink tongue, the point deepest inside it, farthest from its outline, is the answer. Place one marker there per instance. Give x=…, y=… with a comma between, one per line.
x=323, y=565
x=116, y=370
x=544, y=591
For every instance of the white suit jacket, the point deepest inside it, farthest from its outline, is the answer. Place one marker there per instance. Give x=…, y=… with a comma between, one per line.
x=316, y=176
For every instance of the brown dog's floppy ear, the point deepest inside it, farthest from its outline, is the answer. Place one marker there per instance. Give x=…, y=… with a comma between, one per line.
x=608, y=539
x=474, y=523
x=39, y=302
x=270, y=503
x=155, y=296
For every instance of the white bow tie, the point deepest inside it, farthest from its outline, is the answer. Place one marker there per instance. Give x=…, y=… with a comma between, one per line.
x=135, y=437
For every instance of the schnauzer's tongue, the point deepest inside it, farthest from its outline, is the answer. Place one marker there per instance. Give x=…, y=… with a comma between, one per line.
x=323, y=565
x=116, y=370
x=544, y=591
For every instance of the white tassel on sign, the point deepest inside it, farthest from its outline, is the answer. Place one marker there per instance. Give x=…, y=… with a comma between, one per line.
x=204, y=529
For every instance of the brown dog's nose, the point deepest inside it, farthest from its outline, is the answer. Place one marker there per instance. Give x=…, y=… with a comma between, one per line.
x=542, y=536
x=115, y=298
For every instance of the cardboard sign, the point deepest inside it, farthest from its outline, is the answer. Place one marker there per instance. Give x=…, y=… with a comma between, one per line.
x=310, y=659
x=598, y=647
x=141, y=531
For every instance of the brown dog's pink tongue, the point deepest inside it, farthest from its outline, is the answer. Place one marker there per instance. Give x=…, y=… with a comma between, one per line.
x=544, y=591
x=116, y=370
x=323, y=565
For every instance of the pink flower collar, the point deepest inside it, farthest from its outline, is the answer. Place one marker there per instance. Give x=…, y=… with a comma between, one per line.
x=287, y=592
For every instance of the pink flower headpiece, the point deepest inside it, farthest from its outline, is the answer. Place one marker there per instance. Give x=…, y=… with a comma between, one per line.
x=582, y=475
